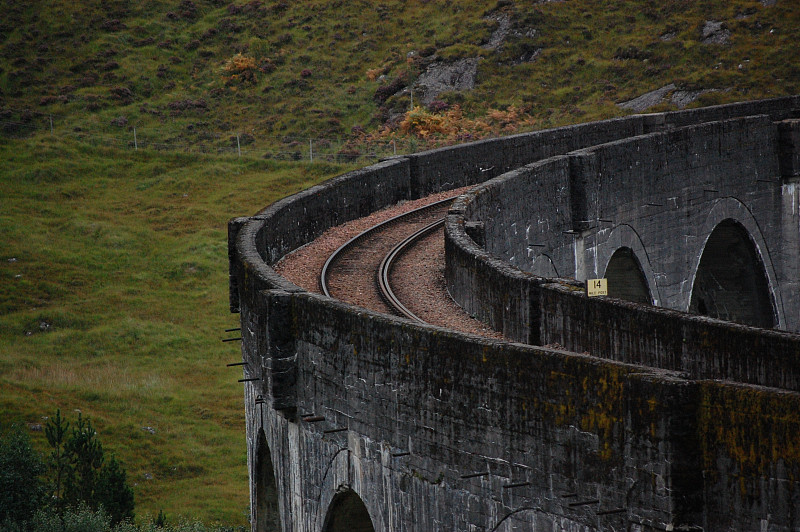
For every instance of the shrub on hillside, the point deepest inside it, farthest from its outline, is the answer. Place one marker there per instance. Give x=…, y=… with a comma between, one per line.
x=84, y=519
x=383, y=92
x=81, y=519
x=240, y=69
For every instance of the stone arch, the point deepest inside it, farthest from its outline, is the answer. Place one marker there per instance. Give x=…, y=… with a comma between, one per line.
x=625, y=237
x=347, y=513
x=730, y=282
x=266, y=515
x=626, y=279
x=735, y=218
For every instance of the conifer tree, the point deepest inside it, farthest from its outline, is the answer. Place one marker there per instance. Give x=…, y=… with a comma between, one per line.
x=113, y=493
x=85, y=454
x=21, y=490
x=80, y=474
x=57, y=431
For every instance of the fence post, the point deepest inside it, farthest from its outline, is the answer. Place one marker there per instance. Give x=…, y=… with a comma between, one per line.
x=238, y=146
x=311, y=150
x=135, y=141
x=394, y=147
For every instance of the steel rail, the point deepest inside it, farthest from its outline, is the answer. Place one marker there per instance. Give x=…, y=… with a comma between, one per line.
x=388, y=262
x=339, y=253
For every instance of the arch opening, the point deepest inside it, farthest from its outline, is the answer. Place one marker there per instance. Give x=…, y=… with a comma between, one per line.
x=347, y=513
x=626, y=278
x=731, y=283
x=267, y=516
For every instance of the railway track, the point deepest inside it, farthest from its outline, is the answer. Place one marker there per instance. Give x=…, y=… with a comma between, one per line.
x=364, y=263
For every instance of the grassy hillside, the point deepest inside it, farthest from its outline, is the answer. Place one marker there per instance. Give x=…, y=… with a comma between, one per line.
x=191, y=72
x=113, y=292
x=113, y=300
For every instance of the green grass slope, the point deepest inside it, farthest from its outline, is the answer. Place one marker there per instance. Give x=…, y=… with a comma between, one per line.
x=195, y=73
x=113, y=292
x=113, y=301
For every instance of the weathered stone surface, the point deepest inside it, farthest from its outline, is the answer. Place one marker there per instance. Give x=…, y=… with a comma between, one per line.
x=648, y=99
x=443, y=77
x=444, y=431
x=660, y=195
x=715, y=32
x=789, y=149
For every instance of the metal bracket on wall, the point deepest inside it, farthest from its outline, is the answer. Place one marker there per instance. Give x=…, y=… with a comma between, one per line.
x=614, y=511
x=473, y=475
x=517, y=485
x=584, y=503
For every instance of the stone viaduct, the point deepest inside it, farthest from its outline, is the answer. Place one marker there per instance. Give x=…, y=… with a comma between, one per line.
x=673, y=404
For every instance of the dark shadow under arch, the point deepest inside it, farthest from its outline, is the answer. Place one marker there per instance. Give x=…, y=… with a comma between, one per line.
x=731, y=283
x=626, y=279
x=267, y=517
x=347, y=513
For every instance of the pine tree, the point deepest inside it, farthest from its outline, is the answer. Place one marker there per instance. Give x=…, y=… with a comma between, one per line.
x=57, y=431
x=113, y=493
x=80, y=473
x=21, y=490
x=85, y=453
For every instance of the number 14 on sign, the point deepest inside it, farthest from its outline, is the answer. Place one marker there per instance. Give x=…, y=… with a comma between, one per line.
x=596, y=287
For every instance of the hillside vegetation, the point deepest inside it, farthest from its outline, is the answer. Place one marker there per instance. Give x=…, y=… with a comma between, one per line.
x=196, y=73
x=113, y=301
x=121, y=123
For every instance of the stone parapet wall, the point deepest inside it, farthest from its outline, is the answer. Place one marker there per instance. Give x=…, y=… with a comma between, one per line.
x=695, y=346
x=662, y=184
x=435, y=408
x=776, y=108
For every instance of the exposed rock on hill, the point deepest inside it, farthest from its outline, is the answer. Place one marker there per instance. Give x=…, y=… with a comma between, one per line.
x=460, y=75
x=500, y=33
x=714, y=32
x=442, y=77
x=679, y=98
x=682, y=99
x=648, y=99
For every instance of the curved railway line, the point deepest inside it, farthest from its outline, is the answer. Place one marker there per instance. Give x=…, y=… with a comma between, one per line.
x=365, y=262
x=386, y=266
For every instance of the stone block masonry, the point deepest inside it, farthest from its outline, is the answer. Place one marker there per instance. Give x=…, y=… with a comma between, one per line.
x=630, y=417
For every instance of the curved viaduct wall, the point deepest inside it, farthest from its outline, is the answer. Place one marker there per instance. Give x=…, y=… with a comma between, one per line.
x=660, y=195
x=434, y=430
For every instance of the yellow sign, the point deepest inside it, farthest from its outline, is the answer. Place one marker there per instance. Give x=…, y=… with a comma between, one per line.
x=596, y=287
